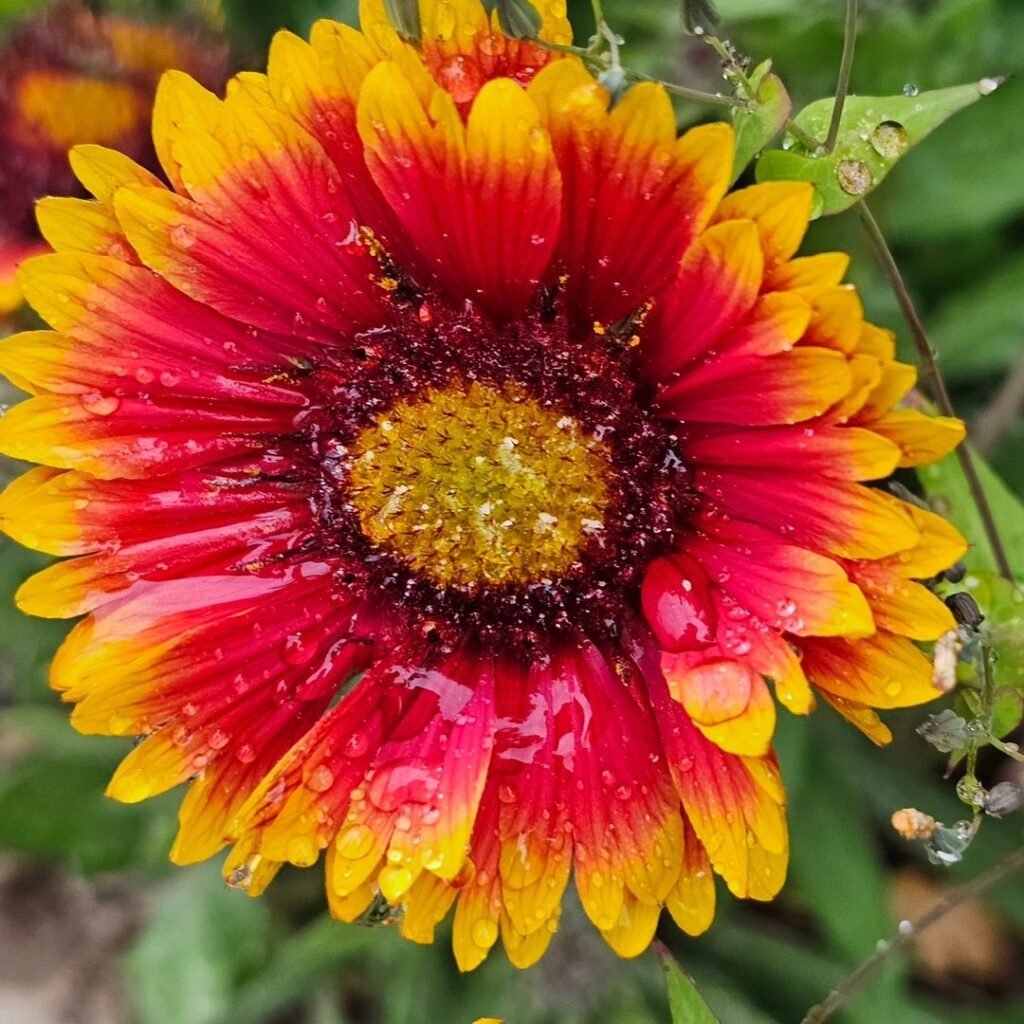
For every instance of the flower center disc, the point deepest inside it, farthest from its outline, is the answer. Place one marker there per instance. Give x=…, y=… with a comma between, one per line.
x=479, y=486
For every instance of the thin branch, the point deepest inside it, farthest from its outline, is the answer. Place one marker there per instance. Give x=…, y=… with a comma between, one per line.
x=597, y=62
x=804, y=137
x=907, y=934
x=935, y=385
x=998, y=416
x=685, y=92
x=845, y=68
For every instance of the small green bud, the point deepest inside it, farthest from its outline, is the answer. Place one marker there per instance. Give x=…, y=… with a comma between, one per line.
x=1003, y=798
x=519, y=19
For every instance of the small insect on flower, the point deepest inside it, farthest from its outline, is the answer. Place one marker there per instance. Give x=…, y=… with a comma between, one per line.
x=69, y=75
x=434, y=370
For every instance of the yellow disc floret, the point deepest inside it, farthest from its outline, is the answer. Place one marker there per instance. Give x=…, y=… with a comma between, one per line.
x=480, y=485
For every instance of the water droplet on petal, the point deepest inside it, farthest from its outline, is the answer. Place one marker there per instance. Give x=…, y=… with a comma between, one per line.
x=100, y=405
x=485, y=933
x=354, y=842
x=320, y=779
x=302, y=851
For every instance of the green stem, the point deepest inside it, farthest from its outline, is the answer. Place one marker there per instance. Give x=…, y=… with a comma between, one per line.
x=935, y=385
x=808, y=141
x=845, y=68
x=907, y=934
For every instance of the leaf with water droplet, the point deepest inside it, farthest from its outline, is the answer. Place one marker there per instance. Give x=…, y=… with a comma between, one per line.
x=875, y=132
x=756, y=127
x=686, y=1004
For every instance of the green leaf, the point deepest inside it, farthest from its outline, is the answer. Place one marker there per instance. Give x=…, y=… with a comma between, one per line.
x=947, y=489
x=52, y=805
x=757, y=127
x=978, y=331
x=875, y=133
x=302, y=963
x=978, y=162
x=26, y=644
x=201, y=943
x=1002, y=604
x=684, y=1001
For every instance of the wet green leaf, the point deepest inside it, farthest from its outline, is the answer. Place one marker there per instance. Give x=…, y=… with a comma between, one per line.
x=202, y=942
x=686, y=1004
x=977, y=331
x=875, y=133
x=1002, y=604
x=756, y=128
x=947, y=489
x=52, y=806
x=1007, y=711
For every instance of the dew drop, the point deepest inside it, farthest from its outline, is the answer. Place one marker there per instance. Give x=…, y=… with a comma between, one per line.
x=354, y=842
x=218, y=739
x=320, y=779
x=485, y=933
x=890, y=139
x=182, y=237
x=394, y=881
x=100, y=405
x=910, y=89
x=302, y=851
x=356, y=745
x=246, y=753
x=854, y=177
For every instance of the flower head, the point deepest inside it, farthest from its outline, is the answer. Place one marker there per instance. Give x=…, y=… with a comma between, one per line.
x=452, y=471
x=67, y=76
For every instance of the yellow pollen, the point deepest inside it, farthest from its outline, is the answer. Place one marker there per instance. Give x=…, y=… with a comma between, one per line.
x=479, y=485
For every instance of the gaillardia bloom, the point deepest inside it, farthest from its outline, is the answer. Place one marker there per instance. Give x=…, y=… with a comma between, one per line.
x=69, y=75
x=448, y=463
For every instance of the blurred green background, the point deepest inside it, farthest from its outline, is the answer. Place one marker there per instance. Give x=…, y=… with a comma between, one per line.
x=96, y=928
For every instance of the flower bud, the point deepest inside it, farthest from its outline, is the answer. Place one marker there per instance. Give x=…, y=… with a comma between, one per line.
x=1003, y=798
x=518, y=19
x=404, y=16
x=965, y=610
x=913, y=824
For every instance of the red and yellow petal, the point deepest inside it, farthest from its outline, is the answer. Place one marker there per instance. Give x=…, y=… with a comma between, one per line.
x=780, y=209
x=848, y=453
x=481, y=200
x=881, y=671
x=835, y=517
x=735, y=804
x=716, y=288
x=920, y=438
x=634, y=196
x=755, y=391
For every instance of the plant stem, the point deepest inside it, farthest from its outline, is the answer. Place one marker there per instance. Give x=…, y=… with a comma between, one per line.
x=597, y=62
x=808, y=141
x=690, y=94
x=845, y=68
x=907, y=934
x=935, y=385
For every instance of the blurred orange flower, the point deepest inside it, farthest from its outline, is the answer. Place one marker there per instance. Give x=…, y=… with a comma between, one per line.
x=69, y=75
